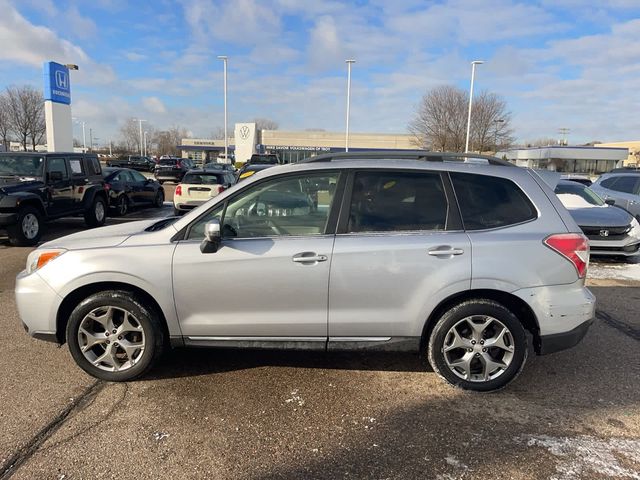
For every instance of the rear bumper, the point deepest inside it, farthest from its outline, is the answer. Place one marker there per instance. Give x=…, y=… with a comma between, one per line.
x=559, y=309
x=562, y=341
x=189, y=204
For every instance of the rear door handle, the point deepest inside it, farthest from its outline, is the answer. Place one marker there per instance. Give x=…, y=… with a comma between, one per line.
x=309, y=257
x=445, y=253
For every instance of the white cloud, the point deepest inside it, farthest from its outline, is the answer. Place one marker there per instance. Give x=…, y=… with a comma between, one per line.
x=31, y=44
x=135, y=57
x=154, y=105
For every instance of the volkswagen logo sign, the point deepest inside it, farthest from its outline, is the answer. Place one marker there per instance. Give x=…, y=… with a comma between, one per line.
x=244, y=132
x=604, y=233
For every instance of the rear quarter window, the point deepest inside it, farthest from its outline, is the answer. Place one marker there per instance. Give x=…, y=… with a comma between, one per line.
x=490, y=202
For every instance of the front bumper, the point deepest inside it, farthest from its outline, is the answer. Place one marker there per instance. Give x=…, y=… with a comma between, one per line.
x=37, y=305
x=8, y=219
x=626, y=247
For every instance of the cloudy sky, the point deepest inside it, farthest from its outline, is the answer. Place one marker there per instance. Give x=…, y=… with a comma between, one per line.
x=558, y=63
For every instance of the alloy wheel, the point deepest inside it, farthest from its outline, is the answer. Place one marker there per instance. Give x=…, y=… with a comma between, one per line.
x=99, y=211
x=111, y=338
x=478, y=348
x=30, y=226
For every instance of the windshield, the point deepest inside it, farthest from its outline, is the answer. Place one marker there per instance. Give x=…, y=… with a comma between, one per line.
x=264, y=159
x=576, y=195
x=21, y=165
x=201, y=179
x=168, y=161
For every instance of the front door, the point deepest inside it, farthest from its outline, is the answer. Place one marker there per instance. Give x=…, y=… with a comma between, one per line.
x=60, y=188
x=269, y=279
x=399, y=250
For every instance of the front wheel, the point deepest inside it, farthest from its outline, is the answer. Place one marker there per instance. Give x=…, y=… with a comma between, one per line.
x=478, y=345
x=97, y=213
x=28, y=228
x=114, y=336
x=122, y=207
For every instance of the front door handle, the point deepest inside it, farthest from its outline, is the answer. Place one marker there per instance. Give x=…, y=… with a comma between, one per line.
x=445, y=252
x=309, y=257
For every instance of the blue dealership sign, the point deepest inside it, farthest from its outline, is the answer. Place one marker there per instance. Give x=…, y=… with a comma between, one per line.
x=57, y=86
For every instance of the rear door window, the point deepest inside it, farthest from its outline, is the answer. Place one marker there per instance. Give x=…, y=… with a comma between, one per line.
x=490, y=202
x=625, y=184
x=384, y=201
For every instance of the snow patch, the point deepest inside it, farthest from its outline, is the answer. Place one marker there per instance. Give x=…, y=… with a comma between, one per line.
x=622, y=271
x=584, y=455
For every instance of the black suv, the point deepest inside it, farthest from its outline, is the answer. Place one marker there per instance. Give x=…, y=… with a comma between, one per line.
x=136, y=162
x=35, y=187
x=172, y=169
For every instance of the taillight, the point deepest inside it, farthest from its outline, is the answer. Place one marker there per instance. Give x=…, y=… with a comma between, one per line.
x=221, y=188
x=107, y=186
x=572, y=246
x=178, y=191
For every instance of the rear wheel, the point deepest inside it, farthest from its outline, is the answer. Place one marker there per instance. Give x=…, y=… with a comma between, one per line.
x=478, y=345
x=114, y=336
x=159, y=200
x=28, y=229
x=97, y=213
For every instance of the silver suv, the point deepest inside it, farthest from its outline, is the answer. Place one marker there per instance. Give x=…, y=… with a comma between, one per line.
x=471, y=262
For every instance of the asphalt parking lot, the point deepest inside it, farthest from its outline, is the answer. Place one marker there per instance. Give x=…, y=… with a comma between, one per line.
x=239, y=414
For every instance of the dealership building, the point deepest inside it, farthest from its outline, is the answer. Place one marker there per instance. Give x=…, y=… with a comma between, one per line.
x=291, y=146
x=587, y=160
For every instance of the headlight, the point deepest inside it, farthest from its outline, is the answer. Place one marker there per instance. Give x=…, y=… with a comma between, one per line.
x=39, y=258
x=635, y=228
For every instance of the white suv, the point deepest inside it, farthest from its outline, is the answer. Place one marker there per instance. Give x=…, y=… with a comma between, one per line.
x=473, y=264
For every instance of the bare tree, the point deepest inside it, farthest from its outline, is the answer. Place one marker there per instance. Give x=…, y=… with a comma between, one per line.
x=5, y=124
x=440, y=121
x=130, y=133
x=167, y=141
x=218, y=133
x=490, y=123
x=541, y=142
x=25, y=108
x=265, y=124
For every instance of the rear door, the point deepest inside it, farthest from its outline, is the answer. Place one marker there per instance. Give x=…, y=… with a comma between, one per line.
x=399, y=250
x=624, y=189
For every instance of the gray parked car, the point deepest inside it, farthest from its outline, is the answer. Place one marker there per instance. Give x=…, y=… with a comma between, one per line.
x=461, y=261
x=623, y=187
x=610, y=230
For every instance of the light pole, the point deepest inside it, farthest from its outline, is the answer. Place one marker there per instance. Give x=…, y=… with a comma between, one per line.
x=140, y=126
x=473, y=74
x=84, y=137
x=224, y=59
x=346, y=136
x=91, y=139
x=497, y=122
x=145, y=143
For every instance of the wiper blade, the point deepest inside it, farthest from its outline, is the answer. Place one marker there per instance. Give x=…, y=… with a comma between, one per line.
x=161, y=224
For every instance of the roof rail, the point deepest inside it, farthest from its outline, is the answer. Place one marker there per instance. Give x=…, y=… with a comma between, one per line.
x=409, y=155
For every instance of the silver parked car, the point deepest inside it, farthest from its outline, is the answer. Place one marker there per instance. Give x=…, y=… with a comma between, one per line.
x=623, y=187
x=610, y=230
x=462, y=260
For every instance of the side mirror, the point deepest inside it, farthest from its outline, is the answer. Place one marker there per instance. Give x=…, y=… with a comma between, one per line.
x=609, y=201
x=212, y=237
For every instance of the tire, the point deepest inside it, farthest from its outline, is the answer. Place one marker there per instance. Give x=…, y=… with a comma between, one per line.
x=122, y=206
x=158, y=202
x=27, y=231
x=466, y=365
x=97, y=213
x=109, y=358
